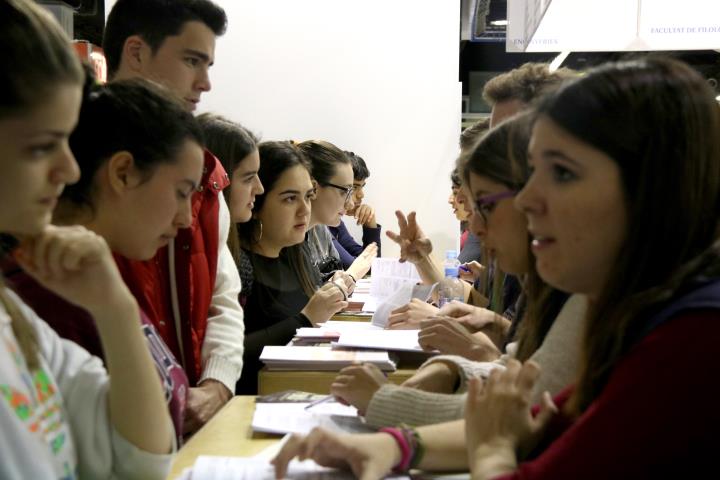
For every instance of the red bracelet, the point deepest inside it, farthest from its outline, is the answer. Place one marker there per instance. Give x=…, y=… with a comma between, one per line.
x=405, y=449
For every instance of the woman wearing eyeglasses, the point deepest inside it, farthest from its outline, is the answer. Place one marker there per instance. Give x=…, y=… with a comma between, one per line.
x=333, y=176
x=348, y=248
x=548, y=337
x=606, y=149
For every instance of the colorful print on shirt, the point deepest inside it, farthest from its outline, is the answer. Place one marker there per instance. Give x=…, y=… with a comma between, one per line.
x=172, y=376
x=38, y=405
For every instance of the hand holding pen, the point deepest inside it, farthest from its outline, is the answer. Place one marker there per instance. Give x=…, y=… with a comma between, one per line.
x=471, y=271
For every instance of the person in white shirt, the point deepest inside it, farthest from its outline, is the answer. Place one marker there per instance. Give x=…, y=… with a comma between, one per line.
x=62, y=415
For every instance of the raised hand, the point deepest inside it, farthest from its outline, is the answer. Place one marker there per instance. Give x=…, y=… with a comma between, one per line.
x=363, y=262
x=498, y=418
x=365, y=216
x=414, y=245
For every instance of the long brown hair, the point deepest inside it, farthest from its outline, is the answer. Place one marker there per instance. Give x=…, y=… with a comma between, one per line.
x=231, y=143
x=275, y=159
x=324, y=158
x=37, y=57
x=501, y=155
x=659, y=121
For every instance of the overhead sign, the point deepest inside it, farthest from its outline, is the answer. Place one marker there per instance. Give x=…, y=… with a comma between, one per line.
x=524, y=17
x=612, y=25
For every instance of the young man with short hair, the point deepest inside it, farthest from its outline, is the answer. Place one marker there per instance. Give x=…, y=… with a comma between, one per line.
x=513, y=91
x=190, y=289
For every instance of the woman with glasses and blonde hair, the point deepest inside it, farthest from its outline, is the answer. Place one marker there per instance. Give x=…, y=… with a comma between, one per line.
x=333, y=176
x=548, y=329
x=362, y=213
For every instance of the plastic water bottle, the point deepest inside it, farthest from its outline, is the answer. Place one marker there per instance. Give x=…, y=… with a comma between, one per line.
x=451, y=287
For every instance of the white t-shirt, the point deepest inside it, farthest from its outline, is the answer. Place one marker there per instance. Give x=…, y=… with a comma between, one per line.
x=54, y=423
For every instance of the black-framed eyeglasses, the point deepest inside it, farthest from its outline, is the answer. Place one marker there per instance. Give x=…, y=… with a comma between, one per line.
x=347, y=191
x=484, y=206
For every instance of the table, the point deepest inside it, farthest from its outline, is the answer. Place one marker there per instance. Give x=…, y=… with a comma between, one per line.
x=351, y=317
x=228, y=433
x=271, y=381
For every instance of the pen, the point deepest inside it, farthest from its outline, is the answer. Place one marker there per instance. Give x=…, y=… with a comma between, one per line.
x=326, y=398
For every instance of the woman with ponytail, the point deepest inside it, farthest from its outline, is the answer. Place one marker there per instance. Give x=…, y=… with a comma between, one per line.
x=62, y=413
x=136, y=146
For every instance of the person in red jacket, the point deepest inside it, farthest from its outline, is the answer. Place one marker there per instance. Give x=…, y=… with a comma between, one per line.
x=190, y=289
x=623, y=207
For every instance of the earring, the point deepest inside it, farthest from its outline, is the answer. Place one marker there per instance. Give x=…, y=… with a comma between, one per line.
x=259, y=222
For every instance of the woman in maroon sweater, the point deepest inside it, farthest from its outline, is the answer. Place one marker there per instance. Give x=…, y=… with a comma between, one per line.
x=623, y=206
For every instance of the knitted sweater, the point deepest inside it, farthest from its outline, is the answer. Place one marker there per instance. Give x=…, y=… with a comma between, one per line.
x=558, y=356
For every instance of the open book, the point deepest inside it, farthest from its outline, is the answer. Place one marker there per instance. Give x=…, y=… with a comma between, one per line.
x=282, y=418
x=388, y=275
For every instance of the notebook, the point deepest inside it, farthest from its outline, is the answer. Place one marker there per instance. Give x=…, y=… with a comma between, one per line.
x=321, y=358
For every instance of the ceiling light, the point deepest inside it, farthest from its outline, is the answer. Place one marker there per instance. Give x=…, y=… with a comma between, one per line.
x=499, y=23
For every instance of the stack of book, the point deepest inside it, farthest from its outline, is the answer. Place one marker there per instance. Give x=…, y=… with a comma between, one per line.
x=322, y=358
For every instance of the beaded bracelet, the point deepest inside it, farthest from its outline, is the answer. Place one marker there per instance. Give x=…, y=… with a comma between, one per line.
x=419, y=449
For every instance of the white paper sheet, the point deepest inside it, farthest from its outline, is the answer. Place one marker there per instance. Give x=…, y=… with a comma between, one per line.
x=398, y=340
x=400, y=297
x=238, y=468
x=388, y=275
x=320, y=358
x=343, y=326
x=281, y=418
